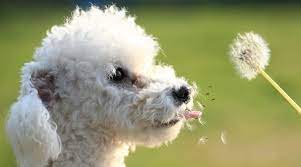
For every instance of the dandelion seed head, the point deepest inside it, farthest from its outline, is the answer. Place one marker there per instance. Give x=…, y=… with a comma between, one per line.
x=250, y=54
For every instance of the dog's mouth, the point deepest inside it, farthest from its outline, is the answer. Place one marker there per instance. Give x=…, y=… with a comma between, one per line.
x=159, y=124
x=186, y=116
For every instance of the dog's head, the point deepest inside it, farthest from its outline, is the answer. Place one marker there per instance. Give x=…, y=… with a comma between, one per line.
x=100, y=63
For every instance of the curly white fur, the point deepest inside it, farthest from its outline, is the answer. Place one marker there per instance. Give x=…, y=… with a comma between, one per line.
x=70, y=113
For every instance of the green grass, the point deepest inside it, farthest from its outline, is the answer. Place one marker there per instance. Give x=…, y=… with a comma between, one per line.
x=262, y=128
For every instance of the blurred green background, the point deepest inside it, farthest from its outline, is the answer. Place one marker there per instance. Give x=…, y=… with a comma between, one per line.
x=261, y=128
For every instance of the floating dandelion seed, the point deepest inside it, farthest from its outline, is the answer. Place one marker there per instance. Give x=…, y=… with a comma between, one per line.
x=203, y=140
x=202, y=122
x=189, y=127
x=223, y=137
x=200, y=106
x=250, y=54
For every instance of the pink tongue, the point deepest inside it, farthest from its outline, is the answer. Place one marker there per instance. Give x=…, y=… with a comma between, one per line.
x=192, y=114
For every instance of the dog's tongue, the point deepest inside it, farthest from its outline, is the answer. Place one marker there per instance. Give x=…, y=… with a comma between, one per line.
x=192, y=114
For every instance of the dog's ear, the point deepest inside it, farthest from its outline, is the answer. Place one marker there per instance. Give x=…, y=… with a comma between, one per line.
x=30, y=129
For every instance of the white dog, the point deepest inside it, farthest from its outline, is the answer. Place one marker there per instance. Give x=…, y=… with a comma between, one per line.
x=93, y=92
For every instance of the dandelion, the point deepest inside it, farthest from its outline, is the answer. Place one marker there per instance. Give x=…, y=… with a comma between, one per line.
x=250, y=54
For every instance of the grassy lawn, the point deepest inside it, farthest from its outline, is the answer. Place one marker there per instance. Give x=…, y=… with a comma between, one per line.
x=262, y=130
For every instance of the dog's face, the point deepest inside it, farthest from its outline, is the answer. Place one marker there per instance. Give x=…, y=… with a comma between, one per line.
x=147, y=104
x=105, y=66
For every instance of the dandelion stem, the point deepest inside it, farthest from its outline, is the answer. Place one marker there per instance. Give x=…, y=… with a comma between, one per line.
x=281, y=91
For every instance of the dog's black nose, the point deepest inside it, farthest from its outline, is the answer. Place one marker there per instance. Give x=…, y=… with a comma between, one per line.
x=181, y=94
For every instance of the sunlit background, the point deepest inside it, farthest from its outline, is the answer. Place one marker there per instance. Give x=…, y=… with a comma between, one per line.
x=261, y=128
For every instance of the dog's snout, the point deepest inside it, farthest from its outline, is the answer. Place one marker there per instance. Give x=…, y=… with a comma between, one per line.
x=182, y=94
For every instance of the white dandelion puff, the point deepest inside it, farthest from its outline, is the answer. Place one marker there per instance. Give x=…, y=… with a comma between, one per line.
x=250, y=55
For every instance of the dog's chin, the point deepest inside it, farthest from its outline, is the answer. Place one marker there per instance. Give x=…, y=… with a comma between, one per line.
x=159, y=133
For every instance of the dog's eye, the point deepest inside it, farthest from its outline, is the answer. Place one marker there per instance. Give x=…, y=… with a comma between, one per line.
x=118, y=76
